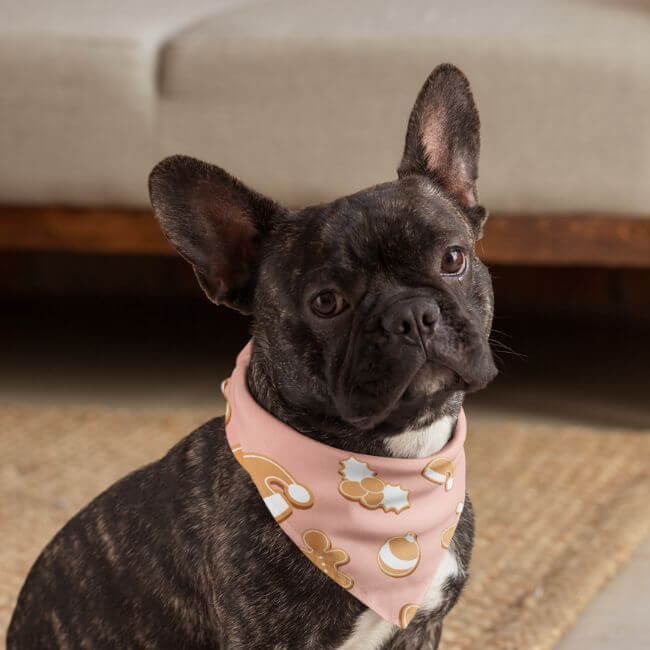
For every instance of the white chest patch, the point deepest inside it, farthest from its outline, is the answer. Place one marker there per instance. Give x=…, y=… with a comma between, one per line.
x=419, y=443
x=371, y=631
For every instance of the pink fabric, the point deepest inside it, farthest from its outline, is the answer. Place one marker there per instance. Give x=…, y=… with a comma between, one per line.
x=377, y=526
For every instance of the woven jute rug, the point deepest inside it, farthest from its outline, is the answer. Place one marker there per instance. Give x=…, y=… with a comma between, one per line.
x=559, y=510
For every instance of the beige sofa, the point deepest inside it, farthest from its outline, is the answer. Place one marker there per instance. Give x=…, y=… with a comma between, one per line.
x=309, y=100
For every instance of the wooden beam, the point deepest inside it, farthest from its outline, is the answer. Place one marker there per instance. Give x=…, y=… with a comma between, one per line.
x=509, y=239
x=76, y=230
x=617, y=242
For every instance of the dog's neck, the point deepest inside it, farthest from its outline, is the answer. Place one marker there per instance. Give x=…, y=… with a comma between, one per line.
x=413, y=442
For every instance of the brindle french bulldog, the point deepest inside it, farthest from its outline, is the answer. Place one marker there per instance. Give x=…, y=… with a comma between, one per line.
x=371, y=317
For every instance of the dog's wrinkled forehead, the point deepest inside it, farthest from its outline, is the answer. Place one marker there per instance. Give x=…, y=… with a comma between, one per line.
x=390, y=227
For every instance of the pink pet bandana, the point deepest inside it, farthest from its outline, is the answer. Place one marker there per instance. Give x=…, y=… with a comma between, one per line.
x=376, y=526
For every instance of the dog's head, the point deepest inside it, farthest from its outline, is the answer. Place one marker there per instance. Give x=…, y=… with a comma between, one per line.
x=371, y=312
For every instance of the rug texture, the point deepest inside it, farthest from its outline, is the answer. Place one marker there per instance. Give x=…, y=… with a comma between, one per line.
x=559, y=509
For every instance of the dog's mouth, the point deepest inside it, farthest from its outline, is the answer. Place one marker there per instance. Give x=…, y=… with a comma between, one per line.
x=427, y=387
x=432, y=378
x=395, y=383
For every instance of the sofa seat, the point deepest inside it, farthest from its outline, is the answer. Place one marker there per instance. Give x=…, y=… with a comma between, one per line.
x=309, y=100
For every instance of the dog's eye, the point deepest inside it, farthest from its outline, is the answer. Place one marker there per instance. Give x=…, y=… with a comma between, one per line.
x=453, y=261
x=328, y=303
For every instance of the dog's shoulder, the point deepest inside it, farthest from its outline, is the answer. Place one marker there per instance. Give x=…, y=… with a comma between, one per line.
x=202, y=455
x=121, y=540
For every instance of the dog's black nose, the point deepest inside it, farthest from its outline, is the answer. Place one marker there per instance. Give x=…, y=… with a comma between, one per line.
x=412, y=320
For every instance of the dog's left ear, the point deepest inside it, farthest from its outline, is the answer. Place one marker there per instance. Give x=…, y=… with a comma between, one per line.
x=443, y=140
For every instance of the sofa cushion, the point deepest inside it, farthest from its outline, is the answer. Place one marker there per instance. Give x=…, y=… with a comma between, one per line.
x=78, y=96
x=309, y=100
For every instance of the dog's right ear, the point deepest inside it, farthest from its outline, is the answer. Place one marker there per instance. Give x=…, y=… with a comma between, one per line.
x=215, y=222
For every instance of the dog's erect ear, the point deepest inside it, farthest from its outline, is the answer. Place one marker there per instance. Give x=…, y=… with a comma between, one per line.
x=215, y=223
x=443, y=139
